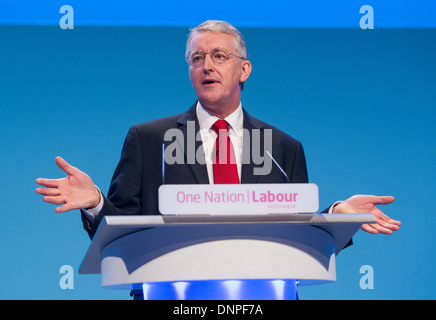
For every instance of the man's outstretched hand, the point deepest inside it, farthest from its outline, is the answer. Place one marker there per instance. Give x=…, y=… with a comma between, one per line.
x=75, y=191
x=367, y=203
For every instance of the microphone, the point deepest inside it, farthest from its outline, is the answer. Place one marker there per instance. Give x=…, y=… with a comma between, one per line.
x=278, y=166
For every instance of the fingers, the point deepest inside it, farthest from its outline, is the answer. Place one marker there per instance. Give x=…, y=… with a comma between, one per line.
x=385, y=221
x=54, y=183
x=66, y=207
x=391, y=224
x=388, y=222
x=376, y=228
x=369, y=228
x=386, y=199
x=54, y=199
x=59, y=200
x=51, y=187
x=65, y=166
x=51, y=191
x=382, y=199
x=385, y=228
x=48, y=191
x=48, y=183
x=384, y=225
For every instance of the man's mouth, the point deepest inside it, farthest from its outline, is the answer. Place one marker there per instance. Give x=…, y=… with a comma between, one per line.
x=209, y=81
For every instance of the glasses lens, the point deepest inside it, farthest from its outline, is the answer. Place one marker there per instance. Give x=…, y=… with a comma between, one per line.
x=196, y=57
x=219, y=55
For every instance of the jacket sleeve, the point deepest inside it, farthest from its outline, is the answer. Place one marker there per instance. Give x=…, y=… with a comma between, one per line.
x=124, y=196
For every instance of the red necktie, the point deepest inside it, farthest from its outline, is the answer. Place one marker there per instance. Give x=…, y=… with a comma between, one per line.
x=224, y=166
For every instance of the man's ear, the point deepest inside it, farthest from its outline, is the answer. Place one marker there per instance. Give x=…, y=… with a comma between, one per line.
x=246, y=70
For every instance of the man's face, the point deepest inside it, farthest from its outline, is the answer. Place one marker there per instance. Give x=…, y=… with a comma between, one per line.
x=217, y=85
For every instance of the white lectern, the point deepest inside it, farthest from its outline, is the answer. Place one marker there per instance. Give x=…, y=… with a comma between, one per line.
x=235, y=256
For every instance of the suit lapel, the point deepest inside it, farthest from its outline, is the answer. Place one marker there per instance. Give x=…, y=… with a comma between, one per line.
x=248, y=165
x=193, y=148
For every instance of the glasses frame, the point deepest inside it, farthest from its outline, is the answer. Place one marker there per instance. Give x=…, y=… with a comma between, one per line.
x=211, y=56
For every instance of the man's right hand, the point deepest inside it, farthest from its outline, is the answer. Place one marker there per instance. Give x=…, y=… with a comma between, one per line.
x=75, y=191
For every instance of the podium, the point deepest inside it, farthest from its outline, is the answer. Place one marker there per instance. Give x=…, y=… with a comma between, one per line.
x=219, y=257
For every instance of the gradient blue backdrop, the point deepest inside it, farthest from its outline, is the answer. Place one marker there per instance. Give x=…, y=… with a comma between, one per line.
x=361, y=101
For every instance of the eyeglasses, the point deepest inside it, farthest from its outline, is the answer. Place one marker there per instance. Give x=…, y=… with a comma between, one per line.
x=218, y=55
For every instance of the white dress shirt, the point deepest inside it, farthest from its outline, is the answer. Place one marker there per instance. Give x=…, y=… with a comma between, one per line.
x=208, y=135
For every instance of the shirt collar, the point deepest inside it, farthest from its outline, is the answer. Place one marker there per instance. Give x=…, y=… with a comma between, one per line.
x=206, y=120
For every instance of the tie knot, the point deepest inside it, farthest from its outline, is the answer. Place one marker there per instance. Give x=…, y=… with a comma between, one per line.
x=220, y=125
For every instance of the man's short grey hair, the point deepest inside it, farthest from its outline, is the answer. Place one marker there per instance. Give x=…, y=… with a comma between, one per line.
x=219, y=27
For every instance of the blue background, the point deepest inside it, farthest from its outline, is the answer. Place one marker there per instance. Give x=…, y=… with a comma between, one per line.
x=361, y=102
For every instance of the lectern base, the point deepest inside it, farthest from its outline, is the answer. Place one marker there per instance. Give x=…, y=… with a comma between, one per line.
x=257, y=289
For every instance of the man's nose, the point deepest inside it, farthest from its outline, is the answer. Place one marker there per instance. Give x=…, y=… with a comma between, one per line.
x=208, y=64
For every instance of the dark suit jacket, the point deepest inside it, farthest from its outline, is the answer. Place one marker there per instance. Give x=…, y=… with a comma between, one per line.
x=135, y=183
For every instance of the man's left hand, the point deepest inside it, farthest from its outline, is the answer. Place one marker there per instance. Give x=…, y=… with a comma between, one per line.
x=366, y=203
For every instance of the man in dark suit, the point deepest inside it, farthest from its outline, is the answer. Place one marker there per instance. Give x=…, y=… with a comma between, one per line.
x=218, y=68
x=134, y=189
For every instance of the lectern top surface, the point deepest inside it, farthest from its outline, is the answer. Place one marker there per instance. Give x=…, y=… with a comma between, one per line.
x=341, y=226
